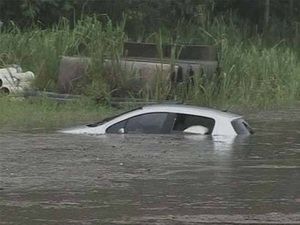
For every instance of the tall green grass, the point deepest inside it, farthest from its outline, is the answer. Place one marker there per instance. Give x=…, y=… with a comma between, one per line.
x=41, y=50
x=254, y=75
x=253, y=72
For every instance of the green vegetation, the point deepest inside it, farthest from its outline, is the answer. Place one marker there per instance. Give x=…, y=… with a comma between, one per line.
x=43, y=114
x=251, y=74
x=259, y=65
x=259, y=76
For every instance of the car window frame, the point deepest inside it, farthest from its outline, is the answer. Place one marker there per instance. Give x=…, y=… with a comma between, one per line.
x=210, y=128
x=108, y=119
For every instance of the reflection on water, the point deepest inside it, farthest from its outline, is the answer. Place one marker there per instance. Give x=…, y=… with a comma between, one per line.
x=54, y=178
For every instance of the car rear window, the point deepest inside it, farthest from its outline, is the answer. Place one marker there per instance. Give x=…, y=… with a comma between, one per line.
x=241, y=127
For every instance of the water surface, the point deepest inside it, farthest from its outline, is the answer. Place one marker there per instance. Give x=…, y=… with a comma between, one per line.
x=54, y=178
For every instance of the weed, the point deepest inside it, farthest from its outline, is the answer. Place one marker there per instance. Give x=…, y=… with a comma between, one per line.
x=252, y=72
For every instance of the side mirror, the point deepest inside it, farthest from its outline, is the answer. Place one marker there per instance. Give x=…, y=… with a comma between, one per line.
x=121, y=131
x=196, y=130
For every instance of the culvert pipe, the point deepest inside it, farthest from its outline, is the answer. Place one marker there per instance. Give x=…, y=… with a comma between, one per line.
x=16, y=79
x=10, y=70
x=11, y=90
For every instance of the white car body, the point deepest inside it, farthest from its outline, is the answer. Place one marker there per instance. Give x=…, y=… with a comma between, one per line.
x=222, y=120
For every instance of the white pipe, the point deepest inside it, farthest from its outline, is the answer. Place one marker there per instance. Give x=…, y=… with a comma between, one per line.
x=4, y=90
x=11, y=90
x=19, y=84
x=16, y=78
x=25, y=83
x=9, y=70
x=26, y=76
x=8, y=80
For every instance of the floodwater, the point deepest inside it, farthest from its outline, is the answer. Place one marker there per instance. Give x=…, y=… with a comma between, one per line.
x=54, y=178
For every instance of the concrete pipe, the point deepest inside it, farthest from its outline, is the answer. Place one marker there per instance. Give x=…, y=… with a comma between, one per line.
x=24, y=84
x=11, y=70
x=16, y=78
x=7, y=80
x=27, y=76
x=11, y=90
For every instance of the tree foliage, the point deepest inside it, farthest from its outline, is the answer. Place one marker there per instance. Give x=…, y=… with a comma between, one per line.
x=148, y=15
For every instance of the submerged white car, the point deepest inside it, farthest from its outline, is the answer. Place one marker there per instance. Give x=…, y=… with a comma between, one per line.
x=169, y=119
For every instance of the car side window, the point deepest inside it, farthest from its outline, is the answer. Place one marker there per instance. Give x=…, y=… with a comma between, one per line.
x=114, y=129
x=151, y=123
x=184, y=121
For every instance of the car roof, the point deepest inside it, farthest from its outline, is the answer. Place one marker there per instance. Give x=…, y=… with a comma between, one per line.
x=188, y=109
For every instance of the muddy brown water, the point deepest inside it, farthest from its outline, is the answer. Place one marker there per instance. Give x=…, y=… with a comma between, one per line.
x=54, y=178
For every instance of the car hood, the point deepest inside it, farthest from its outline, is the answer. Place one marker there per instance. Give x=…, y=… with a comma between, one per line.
x=74, y=130
x=83, y=130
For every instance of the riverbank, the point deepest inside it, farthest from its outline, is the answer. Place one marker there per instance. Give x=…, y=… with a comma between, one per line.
x=44, y=114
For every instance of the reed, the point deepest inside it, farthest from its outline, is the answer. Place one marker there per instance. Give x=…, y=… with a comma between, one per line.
x=253, y=73
x=259, y=76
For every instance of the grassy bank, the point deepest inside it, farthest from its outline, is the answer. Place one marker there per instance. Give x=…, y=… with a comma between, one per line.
x=253, y=72
x=43, y=114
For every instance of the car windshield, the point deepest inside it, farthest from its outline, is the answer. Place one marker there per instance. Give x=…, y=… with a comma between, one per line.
x=111, y=118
